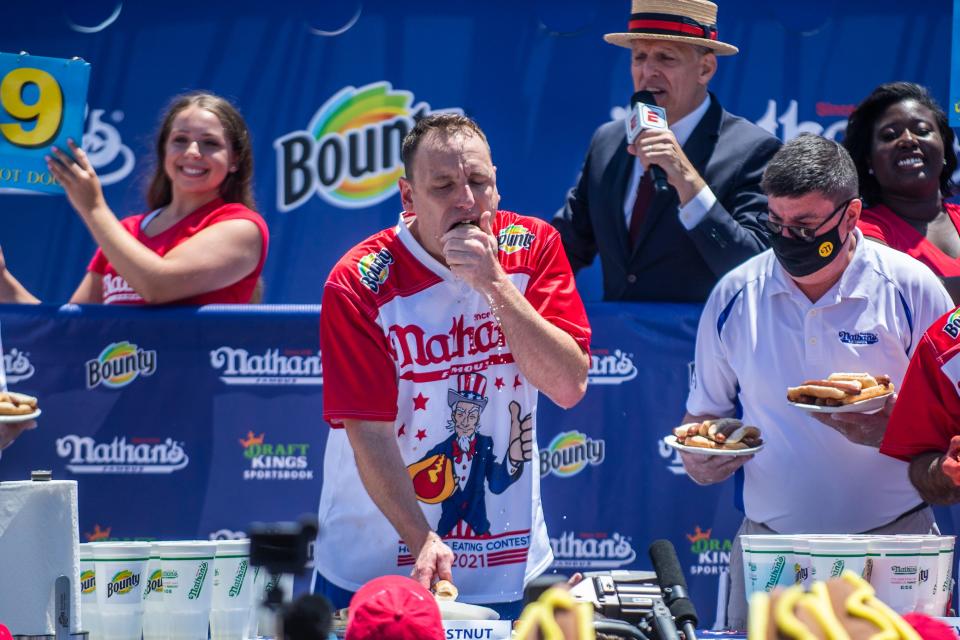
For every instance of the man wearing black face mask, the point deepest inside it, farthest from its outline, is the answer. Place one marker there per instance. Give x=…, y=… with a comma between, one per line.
x=821, y=300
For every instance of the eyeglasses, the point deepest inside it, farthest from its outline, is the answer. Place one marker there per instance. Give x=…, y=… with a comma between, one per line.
x=801, y=233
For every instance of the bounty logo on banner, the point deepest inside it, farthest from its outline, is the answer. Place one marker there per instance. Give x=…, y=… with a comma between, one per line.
x=349, y=154
x=569, y=453
x=119, y=364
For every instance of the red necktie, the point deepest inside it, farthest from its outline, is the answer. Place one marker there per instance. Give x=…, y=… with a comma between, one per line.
x=644, y=198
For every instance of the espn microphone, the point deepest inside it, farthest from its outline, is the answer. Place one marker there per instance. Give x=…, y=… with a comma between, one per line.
x=645, y=114
x=674, y=586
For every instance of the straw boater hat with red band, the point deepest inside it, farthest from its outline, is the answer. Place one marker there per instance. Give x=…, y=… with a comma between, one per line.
x=688, y=21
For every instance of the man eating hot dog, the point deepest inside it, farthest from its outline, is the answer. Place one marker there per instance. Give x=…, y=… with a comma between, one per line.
x=821, y=300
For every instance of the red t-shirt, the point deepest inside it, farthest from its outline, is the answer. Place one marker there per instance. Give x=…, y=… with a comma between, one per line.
x=881, y=223
x=115, y=287
x=927, y=412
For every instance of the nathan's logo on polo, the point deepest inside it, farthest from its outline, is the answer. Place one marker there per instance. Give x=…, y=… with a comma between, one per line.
x=410, y=344
x=119, y=364
x=712, y=554
x=275, y=461
x=349, y=154
x=608, y=367
x=952, y=326
x=592, y=550
x=292, y=366
x=17, y=365
x=515, y=238
x=863, y=337
x=122, y=582
x=826, y=249
x=140, y=455
x=88, y=581
x=154, y=584
x=198, y=581
x=569, y=453
x=374, y=269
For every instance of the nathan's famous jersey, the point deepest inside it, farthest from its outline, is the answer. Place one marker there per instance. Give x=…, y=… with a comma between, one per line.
x=404, y=341
x=927, y=413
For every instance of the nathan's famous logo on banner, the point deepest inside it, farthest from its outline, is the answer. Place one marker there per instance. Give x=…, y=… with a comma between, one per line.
x=515, y=237
x=349, y=154
x=119, y=364
x=271, y=367
x=610, y=367
x=17, y=365
x=712, y=554
x=139, y=455
x=569, y=453
x=592, y=550
x=275, y=461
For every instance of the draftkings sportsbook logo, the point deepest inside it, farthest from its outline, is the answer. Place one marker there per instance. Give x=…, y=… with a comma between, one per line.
x=275, y=461
x=292, y=366
x=712, y=555
x=119, y=364
x=569, y=453
x=139, y=455
x=592, y=550
x=608, y=367
x=349, y=154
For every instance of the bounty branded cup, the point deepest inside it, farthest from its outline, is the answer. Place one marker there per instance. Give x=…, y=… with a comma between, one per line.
x=802, y=569
x=892, y=569
x=928, y=566
x=944, y=575
x=89, y=613
x=154, y=622
x=120, y=574
x=832, y=555
x=772, y=557
x=187, y=588
x=233, y=591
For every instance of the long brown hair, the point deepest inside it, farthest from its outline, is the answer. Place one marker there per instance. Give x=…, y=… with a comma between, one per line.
x=238, y=185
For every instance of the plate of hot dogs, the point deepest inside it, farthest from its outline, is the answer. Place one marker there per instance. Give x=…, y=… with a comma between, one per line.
x=721, y=437
x=842, y=393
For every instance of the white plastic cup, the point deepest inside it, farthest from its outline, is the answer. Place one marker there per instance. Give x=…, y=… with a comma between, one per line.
x=266, y=620
x=89, y=612
x=802, y=564
x=927, y=574
x=944, y=574
x=892, y=569
x=832, y=555
x=749, y=569
x=773, y=558
x=119, y=575
x=187, y=588
x=233, y=591
x=154, y=621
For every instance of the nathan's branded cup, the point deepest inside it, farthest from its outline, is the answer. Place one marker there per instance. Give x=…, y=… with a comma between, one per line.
x=773, y=558
x=832, y=555
x=802, y=569
x=154, y=622
x=119, y=575
x=892, y=569
x=89, y=612
x=944, y=574
x=187, y=588
x=233, y=591
x=749, y=569
x=927, y=568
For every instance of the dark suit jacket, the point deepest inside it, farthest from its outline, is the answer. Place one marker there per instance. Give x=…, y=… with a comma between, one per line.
x=669, y=262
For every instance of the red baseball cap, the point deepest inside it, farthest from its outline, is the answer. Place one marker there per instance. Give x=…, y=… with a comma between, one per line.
x=394, y=607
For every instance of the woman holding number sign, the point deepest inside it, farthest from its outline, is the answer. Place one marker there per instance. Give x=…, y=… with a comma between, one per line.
x=202, y=243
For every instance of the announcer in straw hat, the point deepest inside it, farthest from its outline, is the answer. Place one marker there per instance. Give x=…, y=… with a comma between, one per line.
x=670, y=245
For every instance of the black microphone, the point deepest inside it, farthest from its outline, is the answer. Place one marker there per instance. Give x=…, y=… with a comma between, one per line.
x=659, y=175
x=674, y=586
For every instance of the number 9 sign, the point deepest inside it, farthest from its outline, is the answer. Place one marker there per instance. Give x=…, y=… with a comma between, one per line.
x=42, y=103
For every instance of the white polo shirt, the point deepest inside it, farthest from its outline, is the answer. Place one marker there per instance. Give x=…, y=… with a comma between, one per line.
x=759, y=334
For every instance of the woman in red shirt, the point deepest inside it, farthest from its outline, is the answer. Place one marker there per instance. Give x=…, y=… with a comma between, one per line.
x=902, y=144
x=201, y=243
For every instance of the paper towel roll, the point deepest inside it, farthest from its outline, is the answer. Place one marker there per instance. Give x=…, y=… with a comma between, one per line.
x=39, y=540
